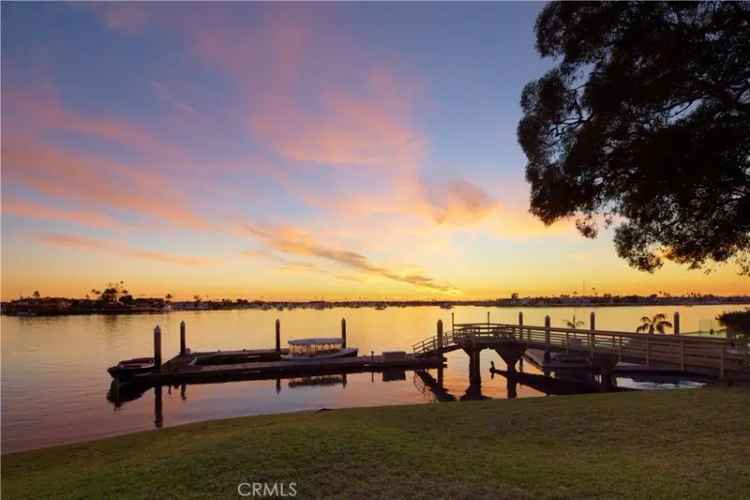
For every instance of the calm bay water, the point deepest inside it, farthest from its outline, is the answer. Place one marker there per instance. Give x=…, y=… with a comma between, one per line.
x=54, y=380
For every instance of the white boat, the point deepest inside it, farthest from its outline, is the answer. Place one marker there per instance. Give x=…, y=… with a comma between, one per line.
x=318, y=348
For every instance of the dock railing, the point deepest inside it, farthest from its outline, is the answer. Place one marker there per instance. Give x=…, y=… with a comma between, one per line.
x=680, y=351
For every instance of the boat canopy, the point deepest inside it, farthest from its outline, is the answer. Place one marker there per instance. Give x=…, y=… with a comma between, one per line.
x=317, y=341
x=314, y=347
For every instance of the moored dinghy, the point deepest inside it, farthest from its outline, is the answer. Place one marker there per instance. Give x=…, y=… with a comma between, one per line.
x=130, y=367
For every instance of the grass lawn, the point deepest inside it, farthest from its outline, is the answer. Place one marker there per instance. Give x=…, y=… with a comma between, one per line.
x=671, y=444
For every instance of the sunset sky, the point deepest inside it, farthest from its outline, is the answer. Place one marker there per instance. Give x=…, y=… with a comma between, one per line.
x=284, y=152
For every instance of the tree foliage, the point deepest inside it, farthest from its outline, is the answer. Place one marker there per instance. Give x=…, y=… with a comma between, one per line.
x=645, y=123
x=658, y=323
x=112, y=293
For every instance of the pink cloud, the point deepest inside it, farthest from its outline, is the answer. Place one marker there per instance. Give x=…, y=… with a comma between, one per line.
x=39, y=109
x=93, y=180
x=119, y=249
x=125, y=17
x=26, y=209
x=370, y=129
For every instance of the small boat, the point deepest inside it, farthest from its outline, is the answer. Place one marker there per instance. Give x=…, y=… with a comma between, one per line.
x=318, y=348
x=130, y=367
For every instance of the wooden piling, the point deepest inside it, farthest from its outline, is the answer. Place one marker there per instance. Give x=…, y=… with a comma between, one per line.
x=676, y=323
x=183, y=343
x=440, y=337
x=278, y=335
x=592, y=321
x=488, y=318
x=520, y=325
x=157, y=347
x=343, y=333
x=547, y=324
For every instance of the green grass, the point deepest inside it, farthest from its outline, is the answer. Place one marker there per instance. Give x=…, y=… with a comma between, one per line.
x=676, y=444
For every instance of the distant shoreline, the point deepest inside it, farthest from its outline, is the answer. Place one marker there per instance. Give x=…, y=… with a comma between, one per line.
x=79, y=307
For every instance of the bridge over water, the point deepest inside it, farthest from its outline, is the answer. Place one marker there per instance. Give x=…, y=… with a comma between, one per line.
x=713, y=357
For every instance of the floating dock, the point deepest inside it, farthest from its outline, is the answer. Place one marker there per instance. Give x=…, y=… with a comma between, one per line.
x=263, y=364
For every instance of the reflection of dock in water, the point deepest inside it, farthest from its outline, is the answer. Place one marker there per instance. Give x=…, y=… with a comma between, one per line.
x=547, y=385
x=424, y=381
x=318, y=381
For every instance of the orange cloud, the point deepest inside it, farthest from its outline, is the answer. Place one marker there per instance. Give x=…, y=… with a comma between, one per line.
x=290, y=240
x=119, y=249
x=458, y=202
x=89, y=179
x=32, y=210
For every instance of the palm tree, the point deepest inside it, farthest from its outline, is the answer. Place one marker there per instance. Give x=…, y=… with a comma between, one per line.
x=658, y=323
x=573, y=324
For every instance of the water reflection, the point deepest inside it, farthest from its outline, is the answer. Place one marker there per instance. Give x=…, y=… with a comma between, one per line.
x=71, y=354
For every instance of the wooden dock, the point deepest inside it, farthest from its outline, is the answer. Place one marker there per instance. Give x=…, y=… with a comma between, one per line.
x=179, y=369
x=719, y=358
x=264, y=364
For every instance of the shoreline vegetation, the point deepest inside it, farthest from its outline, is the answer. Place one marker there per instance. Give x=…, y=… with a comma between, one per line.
x=689, y=443
x=63, y=306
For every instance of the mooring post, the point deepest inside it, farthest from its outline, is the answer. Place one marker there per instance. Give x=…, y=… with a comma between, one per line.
x=278, y=335
x=183, y=344
x=440, y=338
x=592, y=327
x=676, y=323
x=520, y=325
x=157, y=347
x=592, y=321
x=547, y=322
x=343, y=333
x=488, y=318
x=453, y=321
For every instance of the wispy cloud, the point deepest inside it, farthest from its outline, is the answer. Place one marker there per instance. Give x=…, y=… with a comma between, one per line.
x=28, y=209
x=86, y=178
x=119, y=248
x=282, y=263
x=369, y=129
x=39, y=108
x=292, y=241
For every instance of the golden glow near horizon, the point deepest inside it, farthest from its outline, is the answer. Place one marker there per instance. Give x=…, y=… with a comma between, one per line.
x=281, y=156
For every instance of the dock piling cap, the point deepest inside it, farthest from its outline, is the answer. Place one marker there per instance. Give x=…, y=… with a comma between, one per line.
x=317, y=341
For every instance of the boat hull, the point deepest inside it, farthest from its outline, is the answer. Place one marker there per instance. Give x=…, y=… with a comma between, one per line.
x=131, y=367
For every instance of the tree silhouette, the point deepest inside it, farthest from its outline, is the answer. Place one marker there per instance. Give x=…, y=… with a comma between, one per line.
x=573, y=323
x=657, y=323
x=645, y=121
x=36, y=294
x=112, y=292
